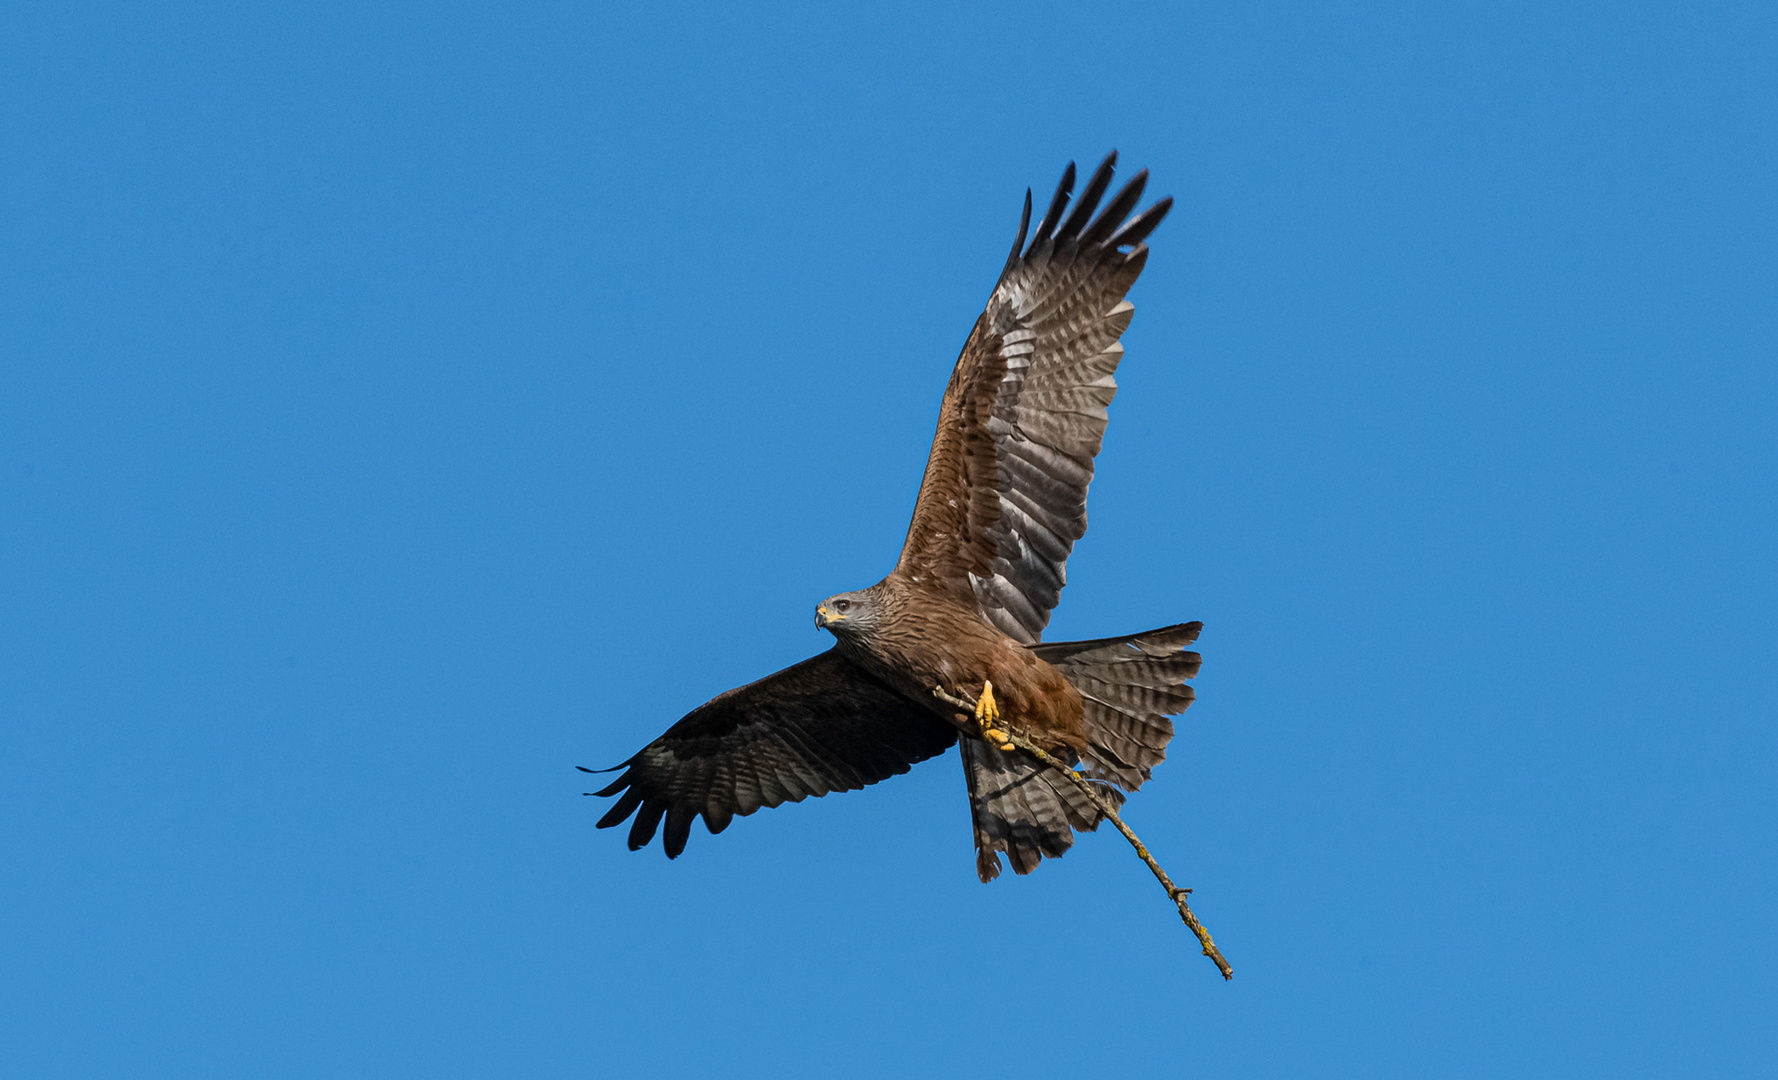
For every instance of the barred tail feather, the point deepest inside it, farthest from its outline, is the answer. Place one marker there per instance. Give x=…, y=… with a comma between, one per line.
x=1020, y=807
x=1131, y=685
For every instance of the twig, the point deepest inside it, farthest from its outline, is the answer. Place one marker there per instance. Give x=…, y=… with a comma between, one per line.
x=1174, y=892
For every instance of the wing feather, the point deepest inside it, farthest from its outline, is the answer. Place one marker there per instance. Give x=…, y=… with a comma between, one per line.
x=1004, y=496
x=819, y=726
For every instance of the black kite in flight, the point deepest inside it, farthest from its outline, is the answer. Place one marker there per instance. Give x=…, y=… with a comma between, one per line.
x=999, y=510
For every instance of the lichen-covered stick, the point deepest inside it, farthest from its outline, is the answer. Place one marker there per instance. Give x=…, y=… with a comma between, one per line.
x=1174, y=892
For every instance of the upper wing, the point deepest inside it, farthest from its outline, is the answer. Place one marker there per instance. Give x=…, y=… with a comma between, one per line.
x=818, y=726
x=1005, y=492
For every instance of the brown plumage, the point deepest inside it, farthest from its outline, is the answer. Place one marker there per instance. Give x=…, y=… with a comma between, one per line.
x=1002, y=502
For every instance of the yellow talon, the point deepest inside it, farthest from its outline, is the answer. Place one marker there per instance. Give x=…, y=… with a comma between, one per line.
x=986, y=712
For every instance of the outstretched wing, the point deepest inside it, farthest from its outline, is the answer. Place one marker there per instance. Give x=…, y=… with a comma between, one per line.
x=1005, y=492
x=819, y=726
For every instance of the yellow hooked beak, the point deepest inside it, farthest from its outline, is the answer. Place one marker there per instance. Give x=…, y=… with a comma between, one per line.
x=824, y=616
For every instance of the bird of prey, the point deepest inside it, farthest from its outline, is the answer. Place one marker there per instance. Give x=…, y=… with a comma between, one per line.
x=1001, y=505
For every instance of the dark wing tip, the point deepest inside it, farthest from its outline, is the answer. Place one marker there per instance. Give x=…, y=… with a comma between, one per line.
x=615, y=786
x=1109, y=229
x=1116, y=210
x=1057, y=204
x=1138, y=228
x=1018, y=244
x=621, y=809
x=647, y=819
x=1089, y=199
x=648, y=813
x=679, y=819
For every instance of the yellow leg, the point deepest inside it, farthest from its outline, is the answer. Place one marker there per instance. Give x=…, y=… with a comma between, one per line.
x=986, y=712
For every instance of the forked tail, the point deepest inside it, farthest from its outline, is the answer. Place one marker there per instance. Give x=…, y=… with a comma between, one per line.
x=1130, y=686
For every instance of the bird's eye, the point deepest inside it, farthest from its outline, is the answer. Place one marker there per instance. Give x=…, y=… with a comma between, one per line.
x=843, y=605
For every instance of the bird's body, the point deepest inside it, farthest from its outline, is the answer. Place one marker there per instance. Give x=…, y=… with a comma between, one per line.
x=1002, y=502
x=927, y=638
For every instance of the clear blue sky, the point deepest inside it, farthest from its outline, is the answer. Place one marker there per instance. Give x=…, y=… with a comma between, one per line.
x=402, y=405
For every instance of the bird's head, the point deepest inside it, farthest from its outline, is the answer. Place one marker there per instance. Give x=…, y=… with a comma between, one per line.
x=847, y=614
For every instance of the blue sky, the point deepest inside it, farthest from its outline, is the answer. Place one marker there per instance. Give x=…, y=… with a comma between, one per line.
x=400, y=405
